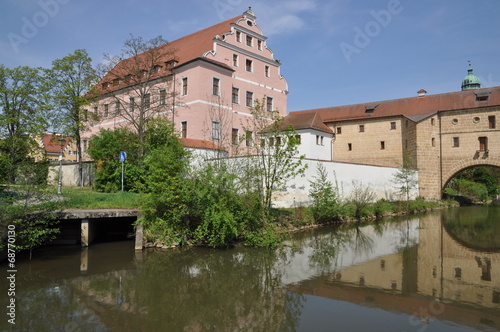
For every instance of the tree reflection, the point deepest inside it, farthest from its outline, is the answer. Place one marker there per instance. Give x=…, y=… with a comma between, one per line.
x=476, y=228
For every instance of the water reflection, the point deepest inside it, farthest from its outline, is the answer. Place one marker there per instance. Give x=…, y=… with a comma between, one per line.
x=414, y=269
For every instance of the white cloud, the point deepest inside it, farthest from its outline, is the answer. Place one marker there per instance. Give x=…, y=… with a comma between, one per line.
x=282, y=16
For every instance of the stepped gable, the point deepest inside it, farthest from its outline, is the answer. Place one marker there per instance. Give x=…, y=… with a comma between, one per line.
x=413, y=107
x=51, y=143
x=181, y=51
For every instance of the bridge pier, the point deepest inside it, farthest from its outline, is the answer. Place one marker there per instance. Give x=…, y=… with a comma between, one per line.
x=88, y=232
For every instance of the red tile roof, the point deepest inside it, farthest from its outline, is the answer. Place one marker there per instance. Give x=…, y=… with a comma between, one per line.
x=300, y=120
x=413, y=107
x=199, y=144
x=183, y=50
x=51, y=143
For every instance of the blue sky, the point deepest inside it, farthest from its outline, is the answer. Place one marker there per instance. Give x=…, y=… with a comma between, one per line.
x=334, y=52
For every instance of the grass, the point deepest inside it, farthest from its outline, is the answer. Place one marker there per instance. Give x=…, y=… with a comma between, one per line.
x=86, y=198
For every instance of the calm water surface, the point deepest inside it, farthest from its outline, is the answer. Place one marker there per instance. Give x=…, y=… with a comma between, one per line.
x=436, y=272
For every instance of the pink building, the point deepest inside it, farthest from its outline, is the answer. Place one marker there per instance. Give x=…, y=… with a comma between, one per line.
x=206, y=83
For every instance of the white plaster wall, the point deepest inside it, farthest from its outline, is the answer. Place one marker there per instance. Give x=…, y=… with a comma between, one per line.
x=310, y=149
x=296, y=191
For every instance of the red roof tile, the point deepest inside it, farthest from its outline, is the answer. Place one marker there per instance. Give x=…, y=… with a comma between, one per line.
x=305, y=121
x=199, y=144
x=413, y=107
x=51, y=143
x=183, y=50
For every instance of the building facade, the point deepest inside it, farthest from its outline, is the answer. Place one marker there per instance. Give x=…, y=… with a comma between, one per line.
x=438, y=135
x=207, y=83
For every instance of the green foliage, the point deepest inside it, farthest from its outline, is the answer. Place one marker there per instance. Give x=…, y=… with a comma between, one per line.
x=476, y=192
x=405, y=180
x=360, y=199
x=105, y=149
x=325, y=207
x=276, y=150
x=381, y=208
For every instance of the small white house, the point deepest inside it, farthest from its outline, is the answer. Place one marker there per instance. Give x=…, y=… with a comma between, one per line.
x=315, y=137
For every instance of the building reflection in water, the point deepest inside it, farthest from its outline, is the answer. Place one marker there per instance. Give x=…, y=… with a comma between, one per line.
x=428, y=275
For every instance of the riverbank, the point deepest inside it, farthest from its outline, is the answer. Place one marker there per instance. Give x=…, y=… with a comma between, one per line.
x=291, y=220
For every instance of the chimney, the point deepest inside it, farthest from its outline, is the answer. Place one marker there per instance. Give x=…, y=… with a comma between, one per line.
x=421, y=92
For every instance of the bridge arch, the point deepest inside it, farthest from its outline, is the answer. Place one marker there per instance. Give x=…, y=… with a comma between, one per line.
x=468, y=163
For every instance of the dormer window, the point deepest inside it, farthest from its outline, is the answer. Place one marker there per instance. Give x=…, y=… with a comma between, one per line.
x=155, y=69
x=482, y=96
x=370, y=108
x=117, y=81
x=106, y=85
x=171, y=64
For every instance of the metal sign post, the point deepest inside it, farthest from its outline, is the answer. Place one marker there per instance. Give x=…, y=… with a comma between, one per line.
x=123, y=157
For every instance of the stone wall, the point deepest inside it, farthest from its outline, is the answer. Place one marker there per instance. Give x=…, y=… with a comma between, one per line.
x=70, y=174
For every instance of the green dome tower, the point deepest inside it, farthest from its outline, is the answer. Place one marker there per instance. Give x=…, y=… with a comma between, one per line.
x=470, y=81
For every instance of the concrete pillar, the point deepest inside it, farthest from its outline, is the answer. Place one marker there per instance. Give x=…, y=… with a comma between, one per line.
x=88, y=232
x=138, y=237
x=84, y=259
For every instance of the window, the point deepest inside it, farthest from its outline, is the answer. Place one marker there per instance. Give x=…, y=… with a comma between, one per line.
x=278, y=140
x=483, y=143
x=238, y=36
x=236, y=95
x=481, y=97
x=259, y=45
x=131, y=104
x=147, y=101
x=184, y=128
x=433, y=142
x=393, y=125
x=106, y=110
x=456, y=142
x=361, y=128
x=339, y=130
x=249, y=65
x=249, y=41
x=215, y=130
x=298, y=139
x=184, y=86
x=432, y=122
x=215, y=86
x=382, y=145
x=96, y=111
x=163, y=97
x=491, y=122
x=234, y=136
x=235, y=60
x=117, y=108
x=249, y=138
x=269, y=104
x=267, y=70
x=262, y=143
x=458, y=273
x=319, y=140
x=249, y=99
x=349, y=146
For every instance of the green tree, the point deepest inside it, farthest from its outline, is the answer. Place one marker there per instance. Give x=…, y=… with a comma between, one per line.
x=72, y=79
x=140, y=68
x=165, y=164
x=405, y=179
x=325, y=206
x=24, y=113
x=274, y=146
x=105, y=149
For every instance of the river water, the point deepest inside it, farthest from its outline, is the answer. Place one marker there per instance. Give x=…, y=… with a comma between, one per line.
x=434, y=272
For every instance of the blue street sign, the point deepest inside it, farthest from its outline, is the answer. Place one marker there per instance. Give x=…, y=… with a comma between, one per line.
x=123, y=156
